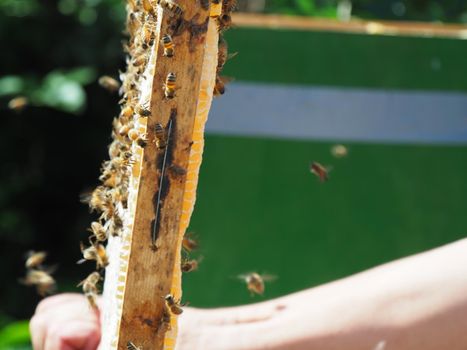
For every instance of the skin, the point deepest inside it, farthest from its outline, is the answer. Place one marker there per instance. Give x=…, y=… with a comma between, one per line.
x=414, y=303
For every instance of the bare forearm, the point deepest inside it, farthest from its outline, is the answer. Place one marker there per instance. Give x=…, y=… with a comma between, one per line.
x=415, y=303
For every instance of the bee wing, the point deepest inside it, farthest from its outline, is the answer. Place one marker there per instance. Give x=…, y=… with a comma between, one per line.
x=269, y=278
x=226, y=79
x=231, y=55
x=50, y=269
x=243, y=276
x=80, y=261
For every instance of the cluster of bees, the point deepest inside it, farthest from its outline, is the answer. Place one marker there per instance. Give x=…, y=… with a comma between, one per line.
x=39, y=275
x=110, y=198
x=224, y=22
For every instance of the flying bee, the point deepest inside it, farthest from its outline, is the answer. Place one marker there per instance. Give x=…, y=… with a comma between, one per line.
x=189, y=243
x=255, y=282
x=169, y=86
x=190, y=265
x=90, y=288
x=41, y=279
x=168, y=45
x=224, y=22
x=17, y=104
x=109, y=83
x=174, y=8
x=320, y=171
x=98, y=231
x=131, y=346
x=95, y=252
x=34, y=259
x=161, y=137
x=173, y=305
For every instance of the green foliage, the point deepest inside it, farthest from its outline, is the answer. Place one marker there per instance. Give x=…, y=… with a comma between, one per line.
x=15, y=336
x=60, y=89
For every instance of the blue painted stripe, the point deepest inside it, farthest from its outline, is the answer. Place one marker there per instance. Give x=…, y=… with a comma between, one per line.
x=304, y=112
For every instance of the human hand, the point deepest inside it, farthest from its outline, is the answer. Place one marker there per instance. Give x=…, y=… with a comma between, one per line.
x=65, y=322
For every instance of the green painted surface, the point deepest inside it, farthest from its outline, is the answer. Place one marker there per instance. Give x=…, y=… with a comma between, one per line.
x=260, y=209
x=347, y=60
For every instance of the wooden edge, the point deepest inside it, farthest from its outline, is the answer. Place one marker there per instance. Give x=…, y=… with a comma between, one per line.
x=417, y=29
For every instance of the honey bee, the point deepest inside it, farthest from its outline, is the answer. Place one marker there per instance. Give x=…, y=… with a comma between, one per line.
x=168, y=45
x=149, y=36
x=223, y=55
x=90, y=289
x=161, y=137
x=224, y=22
x=219, y=86
x=131, y=346
x=320, y=171
x=42, y=279
x=189, y=243
x=35, y=259
x=98, y=231
x=132, y=24
x=142, y=142
x=171, y=6
x=109, y=178
x=255, y=282
x=147, y=6
x=122, y=162
x=173, y=305
x=144, y=112
x=339, y=151
x=95, y=252
x=117, y=224
x=164, y=325
x=17, y=104
x=127, y=112
x=139, y=60
x=190, y=265
x=169, y=87
x=109, y=83
x=95, y=200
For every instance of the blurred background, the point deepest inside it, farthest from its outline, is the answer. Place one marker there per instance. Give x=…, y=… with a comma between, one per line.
x=398, y=103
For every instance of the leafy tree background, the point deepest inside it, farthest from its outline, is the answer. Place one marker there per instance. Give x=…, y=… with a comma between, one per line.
x=53, y=52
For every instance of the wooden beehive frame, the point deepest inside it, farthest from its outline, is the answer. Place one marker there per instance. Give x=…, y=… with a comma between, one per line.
x=163, y=180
